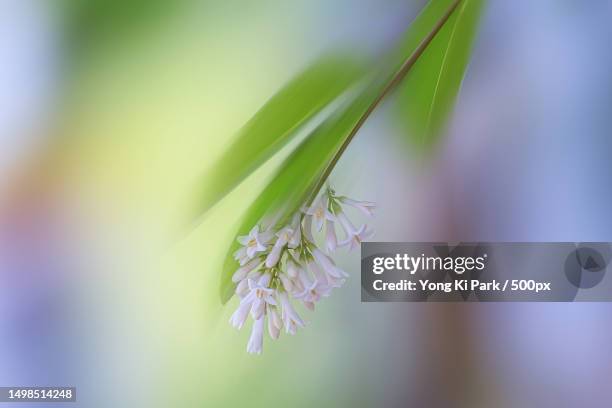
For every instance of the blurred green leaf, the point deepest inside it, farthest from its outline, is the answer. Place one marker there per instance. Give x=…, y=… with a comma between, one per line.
x=299, y=175
x=276, y=123
x=293, y=182
x=87, y=22
x=427, y=95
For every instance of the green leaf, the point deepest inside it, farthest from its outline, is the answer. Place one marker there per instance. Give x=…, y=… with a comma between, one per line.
x=291, y=186
x=276, y=123
x=87, y=22
x=427, y=95
x=300, y=174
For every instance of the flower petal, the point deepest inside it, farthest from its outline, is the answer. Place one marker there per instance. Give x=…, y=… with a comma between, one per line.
x=239, y=316
x=255, y=344
x=330, y=236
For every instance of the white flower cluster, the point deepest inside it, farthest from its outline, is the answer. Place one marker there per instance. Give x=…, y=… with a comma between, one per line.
x=277, y=267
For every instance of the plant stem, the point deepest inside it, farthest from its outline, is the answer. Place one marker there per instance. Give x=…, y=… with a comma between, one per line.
x=395, y=80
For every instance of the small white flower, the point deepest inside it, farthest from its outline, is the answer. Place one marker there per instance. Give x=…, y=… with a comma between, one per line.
x=239, y=316
x=317, y=273
x=241, y=256
x=355, y=240
x=291, y=328
x=307, y=225
x=328, y=265
x=254, y=242
x=347, y=226
x=260, y=295
x=283, y=237
x=255, y=344
x=335, y=282
x=275, y=324
x=319, y=212
x=314, y=293
x=291, y=285
x=353, y=236
x=251, y=301
x=366, y=207
x=303, y=276
x=331, y=240
x=323, y=277
x=286, y=281
x=275, y=316
x=296, y=237
x=293, y=264
x=255, y=274
x=292, y=269
x=298, y=286
x=242, y=289
x=291, y=320
x=243, y=271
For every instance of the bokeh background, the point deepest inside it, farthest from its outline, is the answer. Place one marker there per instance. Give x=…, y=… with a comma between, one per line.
x=110, y=111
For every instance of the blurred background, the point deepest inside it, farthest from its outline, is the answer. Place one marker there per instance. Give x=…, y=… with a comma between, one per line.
x=111, y=110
